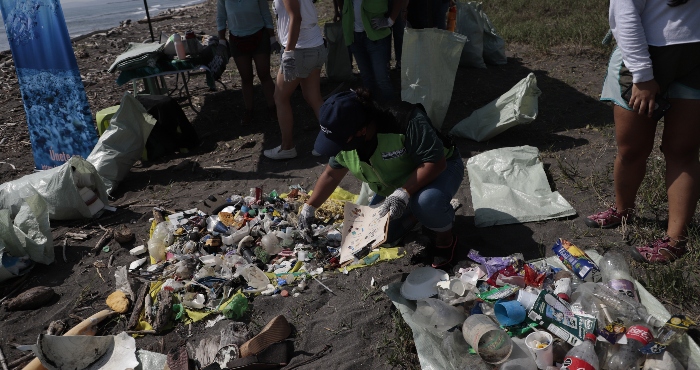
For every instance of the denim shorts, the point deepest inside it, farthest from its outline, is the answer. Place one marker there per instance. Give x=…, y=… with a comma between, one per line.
x=676, y=70
x=309, y=59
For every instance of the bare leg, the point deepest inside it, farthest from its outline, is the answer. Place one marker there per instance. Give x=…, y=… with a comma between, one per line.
x=262, y=66
x=245, y=68
x=680, y=144
x=283, y=94
x=635, y=139
x=311, y=89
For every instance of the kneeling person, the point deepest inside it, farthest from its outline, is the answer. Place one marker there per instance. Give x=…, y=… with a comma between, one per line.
x=414, y=170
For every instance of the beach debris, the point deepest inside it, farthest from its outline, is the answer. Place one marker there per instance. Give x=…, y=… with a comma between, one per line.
x=118, y=301
x=30, y=299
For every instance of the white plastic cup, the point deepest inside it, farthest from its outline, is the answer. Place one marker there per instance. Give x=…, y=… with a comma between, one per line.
x=544, y=357
x=526, y=299
x=301, y=255
x=491, y=343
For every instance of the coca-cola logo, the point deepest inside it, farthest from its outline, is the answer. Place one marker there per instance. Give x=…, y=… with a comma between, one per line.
x=572, y=363
x=639, y=333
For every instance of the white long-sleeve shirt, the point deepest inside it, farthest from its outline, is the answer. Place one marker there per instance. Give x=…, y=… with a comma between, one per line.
x=637, y=24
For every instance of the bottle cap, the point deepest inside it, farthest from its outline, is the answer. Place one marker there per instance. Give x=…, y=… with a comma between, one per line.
x=591, y=337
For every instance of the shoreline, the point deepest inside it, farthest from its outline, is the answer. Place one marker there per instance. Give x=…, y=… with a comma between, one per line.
x=73, y=39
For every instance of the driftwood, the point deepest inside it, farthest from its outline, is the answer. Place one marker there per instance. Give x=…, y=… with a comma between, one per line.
x=77, y=236
x=138, y=306
x=103, y=241
x=164, y=310
x=31, y=299
x=2, y=360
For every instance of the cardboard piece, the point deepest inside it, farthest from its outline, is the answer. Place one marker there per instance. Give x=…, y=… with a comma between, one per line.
x=363, y=230
x=556, y=316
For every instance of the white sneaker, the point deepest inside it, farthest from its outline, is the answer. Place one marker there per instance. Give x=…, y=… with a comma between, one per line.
x=278, y=153
x=315, y=153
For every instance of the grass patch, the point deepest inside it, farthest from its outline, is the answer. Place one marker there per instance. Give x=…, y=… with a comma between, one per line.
x=544, y=24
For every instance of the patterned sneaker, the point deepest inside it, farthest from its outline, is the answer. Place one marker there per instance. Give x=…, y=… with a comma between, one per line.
x=608, y=219
x=660, y=251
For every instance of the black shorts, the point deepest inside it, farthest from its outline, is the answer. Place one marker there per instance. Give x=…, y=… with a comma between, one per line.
x=257, y=43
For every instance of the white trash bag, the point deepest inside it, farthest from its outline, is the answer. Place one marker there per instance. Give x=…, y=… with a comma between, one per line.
x=121, y=145
x=428, y=68
x=518, y=105
x=471, y=24
x=61, y=188
x=509, y=186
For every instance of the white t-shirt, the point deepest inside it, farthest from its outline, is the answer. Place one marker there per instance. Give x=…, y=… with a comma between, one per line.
x=357, y=8
x=637, y=24
x=309, y=33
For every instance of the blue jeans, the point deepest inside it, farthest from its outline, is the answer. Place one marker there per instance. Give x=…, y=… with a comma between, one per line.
x=431, y=204
x=372, y=59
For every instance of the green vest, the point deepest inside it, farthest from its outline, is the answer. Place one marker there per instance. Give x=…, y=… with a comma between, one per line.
x=370, y=9
x=388, y=168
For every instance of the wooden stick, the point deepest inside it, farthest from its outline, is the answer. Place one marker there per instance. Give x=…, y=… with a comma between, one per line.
x=140, y=332
x=138, y=305
x=2, y=360
x=20, y=360
x=103, y=241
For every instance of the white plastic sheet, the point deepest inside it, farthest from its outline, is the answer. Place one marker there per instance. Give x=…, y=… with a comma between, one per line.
x=26, y=232
x=428, y=68
x=58, y=189
x=508, y=185
x=121, y=145
x=518, y=105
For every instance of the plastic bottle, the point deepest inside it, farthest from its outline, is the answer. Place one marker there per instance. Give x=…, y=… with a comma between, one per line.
x=157, y=243
x=662, y=361
x=616, y=274
x=452, y=19
x=628, y=355
x=583, y=356
x=179, y=47
x=624, y=305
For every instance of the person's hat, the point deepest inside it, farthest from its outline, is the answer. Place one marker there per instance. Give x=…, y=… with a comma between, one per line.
x=340, y=117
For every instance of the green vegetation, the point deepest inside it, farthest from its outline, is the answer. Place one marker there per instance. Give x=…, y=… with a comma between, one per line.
x=544, y=24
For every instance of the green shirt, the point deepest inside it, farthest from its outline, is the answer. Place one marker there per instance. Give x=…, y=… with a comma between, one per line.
x=400, y=150
x=370, y=9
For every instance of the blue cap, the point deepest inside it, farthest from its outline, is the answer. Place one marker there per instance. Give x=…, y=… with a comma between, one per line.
x=340, y=117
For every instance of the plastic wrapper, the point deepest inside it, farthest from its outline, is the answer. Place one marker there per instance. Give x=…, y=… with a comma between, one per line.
x=576, y=260
x=493, y=264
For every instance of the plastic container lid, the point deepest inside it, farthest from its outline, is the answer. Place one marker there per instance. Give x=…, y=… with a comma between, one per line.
x=421, y=283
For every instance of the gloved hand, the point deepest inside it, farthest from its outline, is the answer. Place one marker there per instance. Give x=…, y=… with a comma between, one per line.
x=395, y=204
x=289, y=68
x=275, y=45
x=306, y=217
x=381, y=22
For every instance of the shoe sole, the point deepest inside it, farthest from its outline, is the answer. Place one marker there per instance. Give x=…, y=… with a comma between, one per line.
x=276, y=330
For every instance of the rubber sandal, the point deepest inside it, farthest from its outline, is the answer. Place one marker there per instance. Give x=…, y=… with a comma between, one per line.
x=443, y=255
x=659, y=251
x=276, y=330
x=608, y=219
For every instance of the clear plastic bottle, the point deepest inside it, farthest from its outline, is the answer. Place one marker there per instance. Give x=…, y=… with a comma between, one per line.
x=616, y=274
x=583, y=356
x=628, y=355
x=158, y=242
x=179, y=47
x=662, y=361
x=624, y=305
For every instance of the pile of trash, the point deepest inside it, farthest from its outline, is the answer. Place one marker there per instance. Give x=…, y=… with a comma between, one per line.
x=566, y=312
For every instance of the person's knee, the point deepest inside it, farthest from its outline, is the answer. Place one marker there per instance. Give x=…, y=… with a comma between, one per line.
x=431, y=203
x=630, y=154
x=246, y=78
x=679, y=153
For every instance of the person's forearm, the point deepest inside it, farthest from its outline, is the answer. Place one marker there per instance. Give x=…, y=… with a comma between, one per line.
x=325, y=185
x=293, y=35
x=424, y=175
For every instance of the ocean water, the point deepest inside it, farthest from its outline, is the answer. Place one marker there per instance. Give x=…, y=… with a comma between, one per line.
x=85, y=16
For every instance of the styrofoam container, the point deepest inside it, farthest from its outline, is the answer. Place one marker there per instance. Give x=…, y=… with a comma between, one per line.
x=422, y=283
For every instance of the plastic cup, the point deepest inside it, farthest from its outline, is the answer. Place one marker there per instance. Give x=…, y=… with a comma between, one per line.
x=509, y=313
x=526, y=299
x=491, y=343
x=544, y=357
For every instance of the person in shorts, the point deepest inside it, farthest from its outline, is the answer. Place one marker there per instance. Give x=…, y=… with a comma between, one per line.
x=304, y=54
x=251, y=38
x=658, y=55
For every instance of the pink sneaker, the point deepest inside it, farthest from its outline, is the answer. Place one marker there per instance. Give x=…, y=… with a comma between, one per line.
x=660, y=251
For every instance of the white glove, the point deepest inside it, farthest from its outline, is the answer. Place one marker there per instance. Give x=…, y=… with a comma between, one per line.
x=307, y=216
x=395, y=204
x=380, y=22
x=289, y=68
